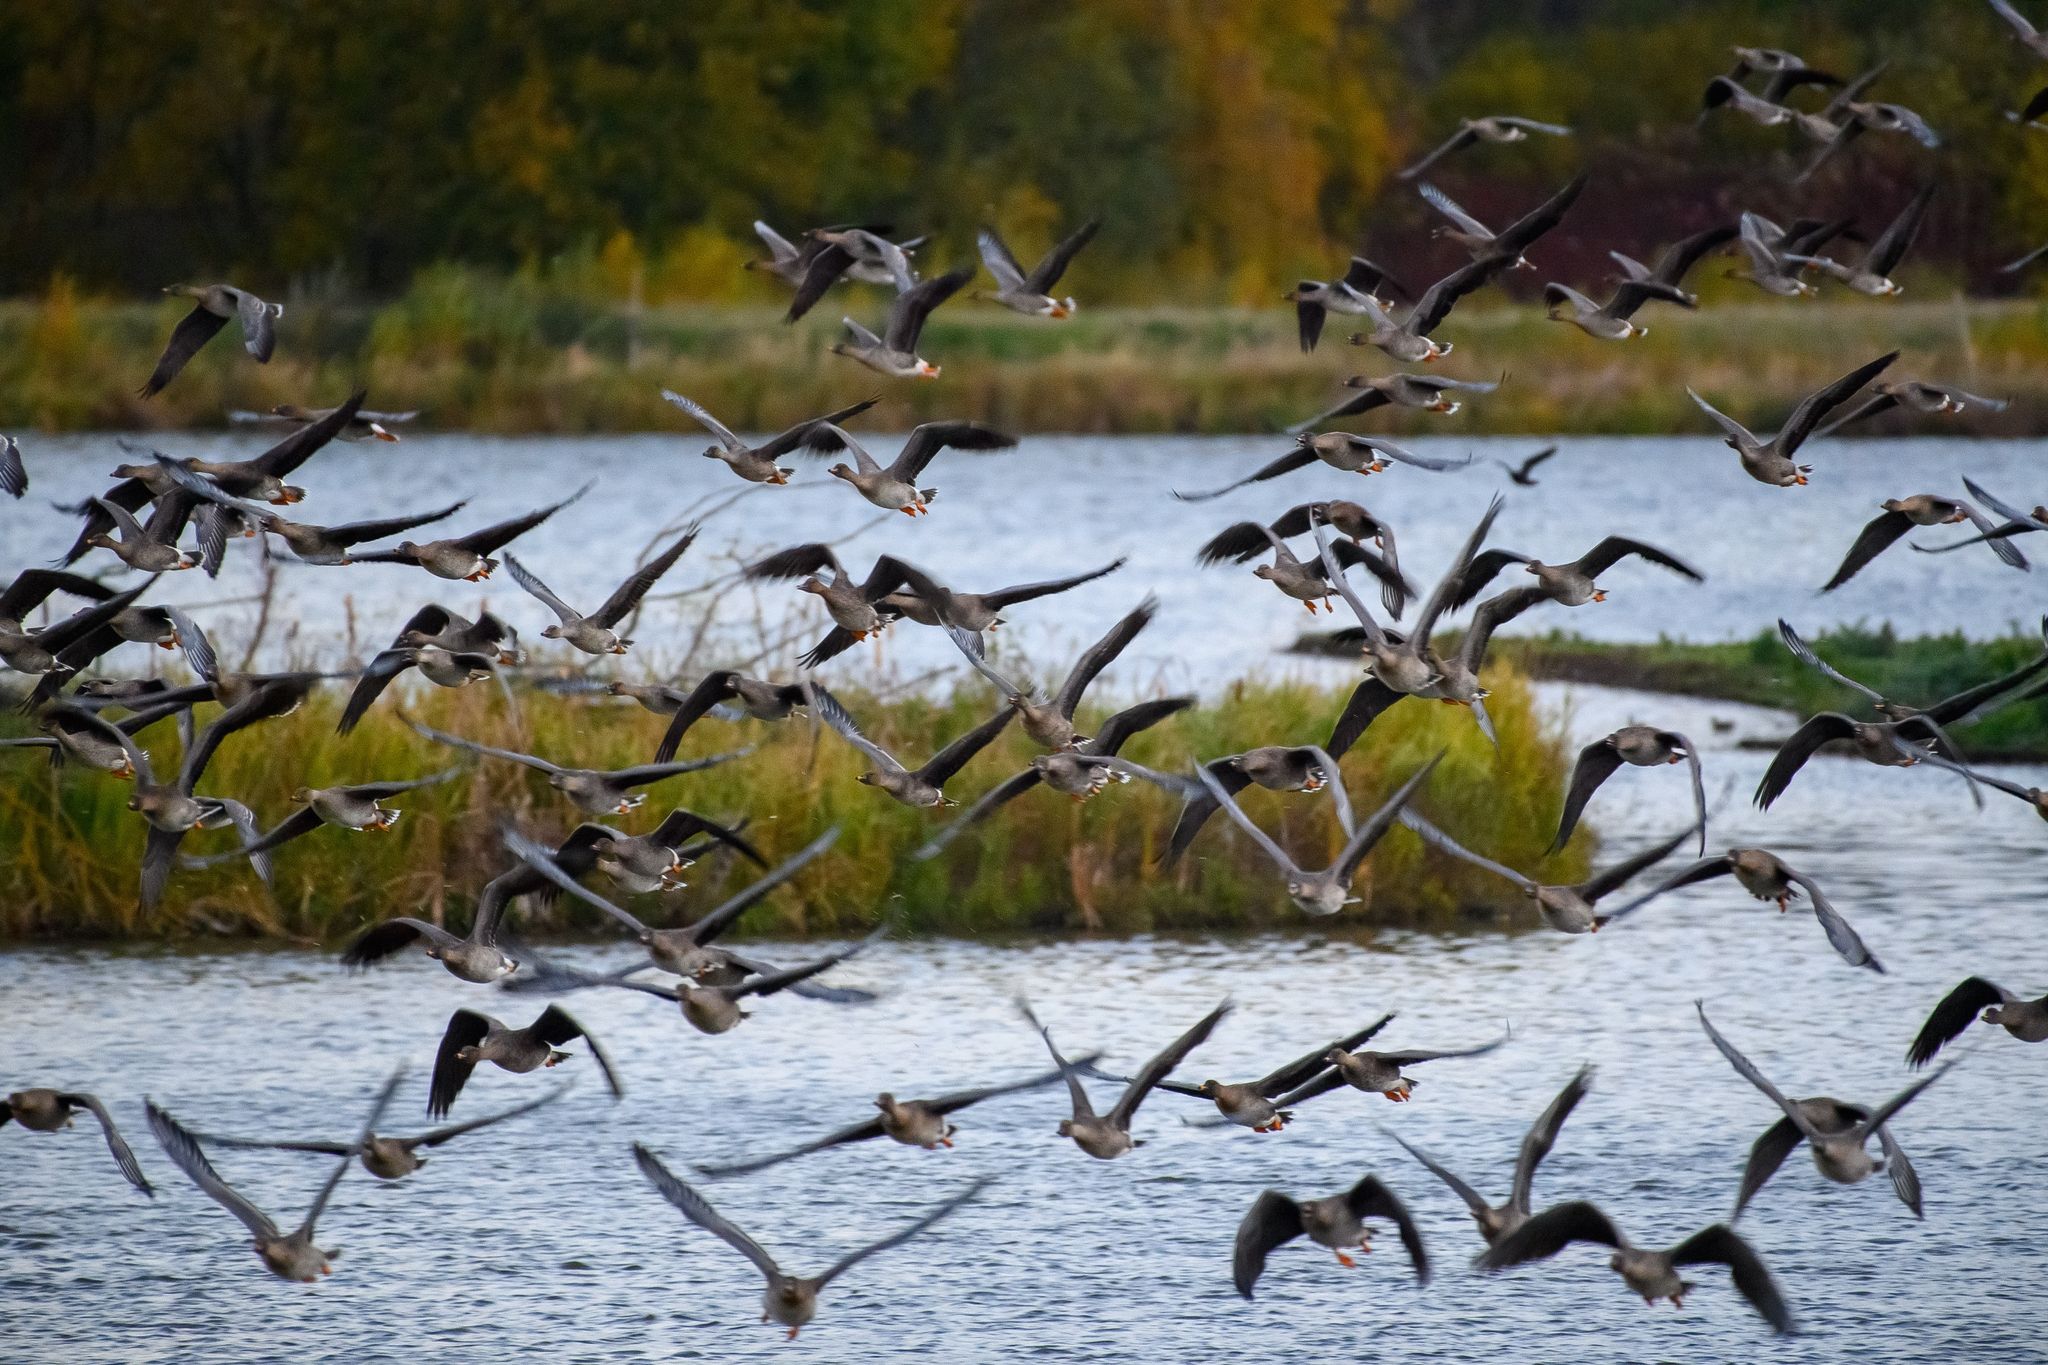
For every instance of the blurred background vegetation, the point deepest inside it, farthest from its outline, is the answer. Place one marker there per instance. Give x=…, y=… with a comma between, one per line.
x=528, y=218
x=610, y=146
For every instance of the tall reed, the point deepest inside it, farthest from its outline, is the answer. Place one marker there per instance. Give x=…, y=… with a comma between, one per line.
x=69, y=853
x=486, y=353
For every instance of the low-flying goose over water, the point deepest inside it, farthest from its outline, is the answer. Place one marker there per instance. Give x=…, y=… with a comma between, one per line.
x=1337, y=1221
x=473, y=1037
x=309, y=543
x=1978, y=999
x=1329, y=891
x=713, y=1005
x=1639, y=746
x=467, y=558
x=893, y=487
x=791, y=1300
x=1492, y=128
x=1568, y=908
x=1653, y=1274
x=600, y=792
x=42, y=1110
x=756, y=464
x=1241, y=542
x=1905, y=736
x=475, y=956
x=1108, y=1136
x=1340, y=450
x=1872, y=274
x=1030, y=291
x=1770, y=461
x=1899, y=516
x=1498, y=1220
x=1838, y=1135
x=1251, y=1103
x=287, y=1255
x=1427, y=392
x=1376, y=1073
x=212, y=306
x=927, y=601
x=596, y=633
x=1570, y=584
x=2016, y=523
x=925, y=1124
x=383, y=1155
x=923, y=786
x=1049, y=720
x=1315, y=300
x=1768, y=877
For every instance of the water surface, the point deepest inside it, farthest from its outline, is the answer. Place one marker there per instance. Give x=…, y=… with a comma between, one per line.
x=1058, y=505
x=540, y=1241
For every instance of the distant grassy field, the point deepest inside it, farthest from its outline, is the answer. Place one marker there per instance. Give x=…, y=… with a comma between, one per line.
x=480, y=353
x=1762, y=672
x=68, y=861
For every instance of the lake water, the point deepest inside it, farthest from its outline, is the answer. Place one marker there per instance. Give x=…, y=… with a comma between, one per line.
x=1059, y=505
x=539, y=1241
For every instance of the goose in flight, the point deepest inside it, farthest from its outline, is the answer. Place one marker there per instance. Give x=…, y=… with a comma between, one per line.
x=894, y=487
x=1337, y=1222
x=1978, y=999
x=1766, y=876
x=1770, y=461
x=1872, y=274
x=1030, y=291
x=756, y=464
x=1492, y=128
x=41, y=1110
x=596, y=633
x=1315, y=300
x=212, y=306
x=1837, y=1134
x=1498, y=1220
x=287, y=1255
x=1108, y=1136
x=1650, y=1272
x=1326, y=892
x=790, y=1300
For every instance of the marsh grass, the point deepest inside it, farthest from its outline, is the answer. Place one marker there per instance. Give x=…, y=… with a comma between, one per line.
x=507, y=354
x=69, y=852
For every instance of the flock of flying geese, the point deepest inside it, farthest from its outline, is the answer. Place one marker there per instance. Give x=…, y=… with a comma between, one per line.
x=710, y=982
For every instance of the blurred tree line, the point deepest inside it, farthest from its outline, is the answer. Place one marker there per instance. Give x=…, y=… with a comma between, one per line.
x=342, y=146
